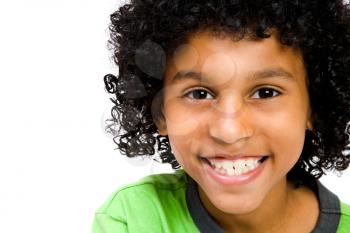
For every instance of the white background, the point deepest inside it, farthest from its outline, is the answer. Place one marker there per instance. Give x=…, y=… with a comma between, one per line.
x=56, y=163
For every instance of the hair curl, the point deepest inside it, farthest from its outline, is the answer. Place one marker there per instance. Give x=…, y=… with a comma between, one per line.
x=144, y=33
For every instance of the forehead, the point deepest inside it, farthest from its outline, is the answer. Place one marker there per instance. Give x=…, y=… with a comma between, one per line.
x=209, y=55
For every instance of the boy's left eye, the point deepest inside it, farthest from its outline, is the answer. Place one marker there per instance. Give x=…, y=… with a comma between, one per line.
x=265, y=93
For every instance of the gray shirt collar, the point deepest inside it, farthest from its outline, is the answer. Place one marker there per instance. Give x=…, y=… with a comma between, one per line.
x=328, y=219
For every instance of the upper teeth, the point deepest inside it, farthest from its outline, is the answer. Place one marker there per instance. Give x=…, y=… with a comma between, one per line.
x=236, y=167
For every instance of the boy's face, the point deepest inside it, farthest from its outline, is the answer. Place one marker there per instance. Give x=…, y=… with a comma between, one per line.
x=228, y=105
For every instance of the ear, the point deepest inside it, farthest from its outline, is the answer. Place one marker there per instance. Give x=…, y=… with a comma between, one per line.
x=157, y=111
x=309, y=121
x=309, y=125
x=161, y=125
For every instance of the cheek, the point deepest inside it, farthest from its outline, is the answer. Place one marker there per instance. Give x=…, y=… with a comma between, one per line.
x=290, y=144
x=185, y=129
x=186, y=147
x=182, y=149
x=286, y=124
x=286, y=137
x=182, y=120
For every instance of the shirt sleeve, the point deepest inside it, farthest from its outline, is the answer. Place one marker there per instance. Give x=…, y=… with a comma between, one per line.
x=104, y=223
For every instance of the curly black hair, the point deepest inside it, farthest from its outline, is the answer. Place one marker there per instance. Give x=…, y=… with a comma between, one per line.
x=144, y=33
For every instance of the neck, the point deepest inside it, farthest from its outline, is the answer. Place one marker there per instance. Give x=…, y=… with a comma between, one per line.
x=270, y=216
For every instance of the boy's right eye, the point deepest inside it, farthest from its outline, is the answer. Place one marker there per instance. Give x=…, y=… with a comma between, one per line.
x=199, y=94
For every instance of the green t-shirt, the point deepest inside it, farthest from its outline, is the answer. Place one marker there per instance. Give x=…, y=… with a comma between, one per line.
x=157, y=204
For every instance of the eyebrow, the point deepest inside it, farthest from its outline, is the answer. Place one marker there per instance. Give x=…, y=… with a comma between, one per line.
x=189, y=74
x=271, y=73
x=260, y=74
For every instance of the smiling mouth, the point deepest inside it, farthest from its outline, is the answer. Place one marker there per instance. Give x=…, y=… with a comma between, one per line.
x=234, y=167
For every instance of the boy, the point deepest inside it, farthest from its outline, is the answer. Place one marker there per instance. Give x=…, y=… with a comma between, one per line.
x=250, y=98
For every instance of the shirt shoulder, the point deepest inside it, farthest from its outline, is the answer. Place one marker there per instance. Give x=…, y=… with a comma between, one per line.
x=344, y=222
x=156, y=203
x=147, y=188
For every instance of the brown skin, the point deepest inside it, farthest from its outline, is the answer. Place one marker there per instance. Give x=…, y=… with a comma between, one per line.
x=233, y=117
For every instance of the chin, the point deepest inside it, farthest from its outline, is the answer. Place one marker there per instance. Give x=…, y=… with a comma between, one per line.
x=235, y=205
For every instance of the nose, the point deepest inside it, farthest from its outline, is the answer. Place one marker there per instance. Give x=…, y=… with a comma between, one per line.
x=229, y=123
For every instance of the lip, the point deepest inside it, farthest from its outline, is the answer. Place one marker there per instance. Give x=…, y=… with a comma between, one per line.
x=236, y=179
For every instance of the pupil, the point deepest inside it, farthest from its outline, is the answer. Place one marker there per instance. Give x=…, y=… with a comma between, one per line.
x=266, y=93
x=199, y=94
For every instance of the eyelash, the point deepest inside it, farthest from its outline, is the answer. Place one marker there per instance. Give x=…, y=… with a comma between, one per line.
x=207, y=92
